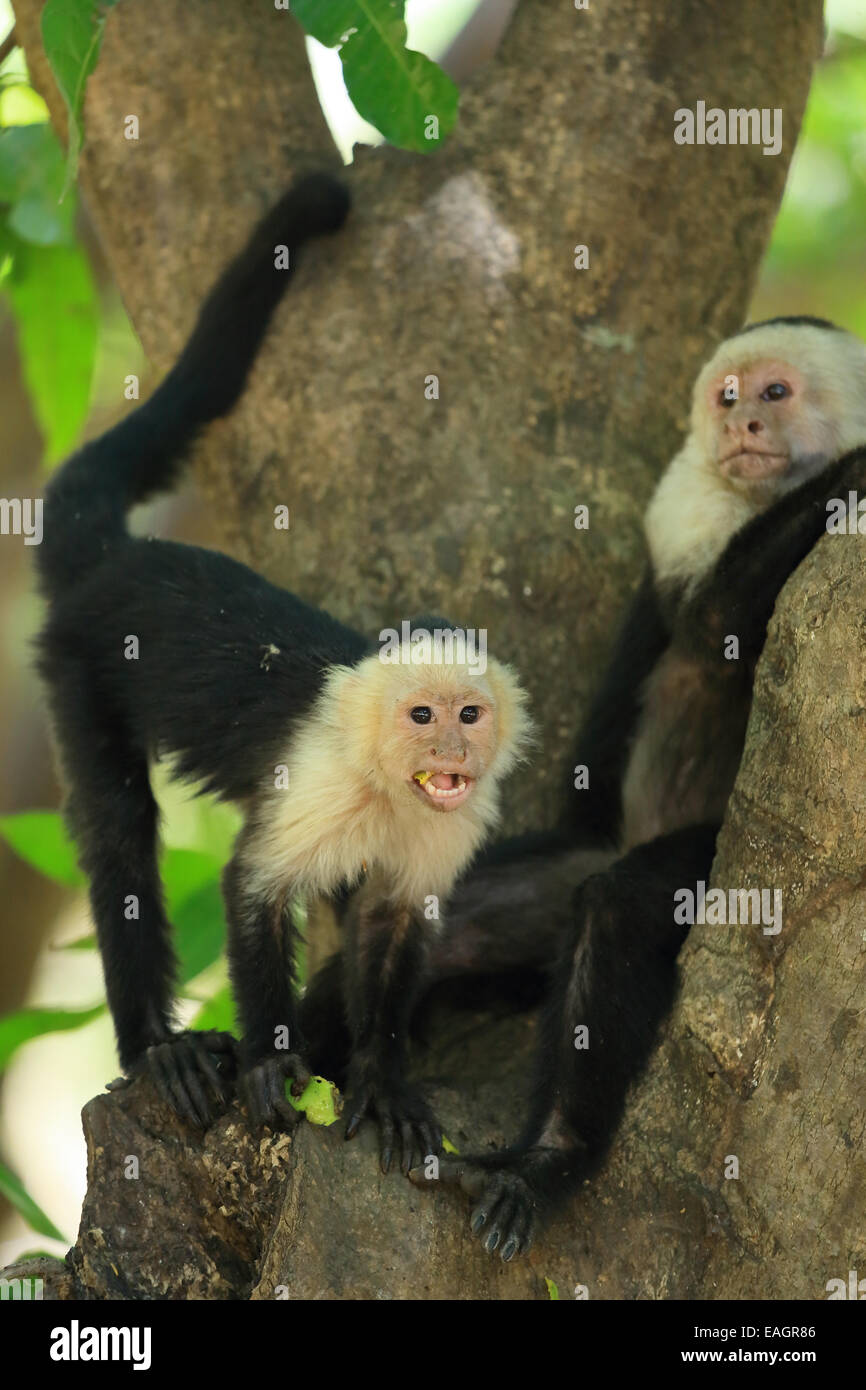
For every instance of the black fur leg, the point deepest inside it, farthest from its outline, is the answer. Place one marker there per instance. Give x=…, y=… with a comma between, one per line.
x=261, y=952
x=263, y=1090
x=384, y=962
x=613, y=984
x=322, y=1021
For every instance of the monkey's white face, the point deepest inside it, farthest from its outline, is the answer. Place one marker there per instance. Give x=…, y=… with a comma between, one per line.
x=448, y=744
x=437, y=735
x=770, y=434
x=798, y=402
x=776, y=404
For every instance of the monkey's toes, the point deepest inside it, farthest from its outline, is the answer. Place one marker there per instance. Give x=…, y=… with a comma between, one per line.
x=505, y=1212
x=263, y=1090
x=404, y=1120
x=192, y=1073
x=504, y=1217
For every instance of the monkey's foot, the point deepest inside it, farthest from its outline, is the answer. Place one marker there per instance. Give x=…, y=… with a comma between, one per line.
x=511, y=1190
x=193, y=1072
x=262, y=1086
x=403, y=1117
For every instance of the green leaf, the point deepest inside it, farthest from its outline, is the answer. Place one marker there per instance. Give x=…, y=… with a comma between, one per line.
x=199, y=931
x=71, y=37
x=184, y=871
x=13, y=1190
x=552, y=1289
x=195, y=907
x=54, y=301
x=40, y=838
x=218, y=1012
x=26, y=1024
x=394, y=88
x=31, y=179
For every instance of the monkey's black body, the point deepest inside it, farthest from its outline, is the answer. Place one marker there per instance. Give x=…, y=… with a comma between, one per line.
x=226, y=661
x=224, y=665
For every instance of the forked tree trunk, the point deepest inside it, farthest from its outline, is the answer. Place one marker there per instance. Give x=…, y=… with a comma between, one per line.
x=558, y=387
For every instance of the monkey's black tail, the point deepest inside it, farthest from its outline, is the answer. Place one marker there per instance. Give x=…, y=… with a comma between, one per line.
x=87, y=501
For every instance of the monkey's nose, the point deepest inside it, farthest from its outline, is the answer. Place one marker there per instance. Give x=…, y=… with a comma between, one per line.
x=755, y=427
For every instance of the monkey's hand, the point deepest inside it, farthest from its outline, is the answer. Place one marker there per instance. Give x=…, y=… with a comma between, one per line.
x=193, y=1072
x=508, y=1193
x=401, y=1112
x=262, y=1087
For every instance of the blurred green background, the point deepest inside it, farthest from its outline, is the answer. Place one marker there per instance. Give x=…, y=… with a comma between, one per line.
x=65, y=345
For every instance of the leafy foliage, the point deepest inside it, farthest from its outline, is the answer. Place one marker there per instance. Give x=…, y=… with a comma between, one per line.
x=72, y=36
x=25, y=1024
x=45, y=276
x=13, y=1190
x=402, y=93
x=815, y=261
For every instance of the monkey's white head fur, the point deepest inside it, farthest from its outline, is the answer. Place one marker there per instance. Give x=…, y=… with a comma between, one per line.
x=353, y=798
x=743, y=453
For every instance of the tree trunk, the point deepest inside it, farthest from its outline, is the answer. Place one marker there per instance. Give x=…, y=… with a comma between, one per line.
x=558, y=387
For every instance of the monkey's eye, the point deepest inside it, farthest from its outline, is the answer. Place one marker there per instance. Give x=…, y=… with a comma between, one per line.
x=776, y=391
x=726, y=401
x=421, y=714
x=469, y=714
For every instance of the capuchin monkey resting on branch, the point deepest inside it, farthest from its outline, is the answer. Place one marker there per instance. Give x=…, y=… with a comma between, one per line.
x=350, y=770
x=777, y=417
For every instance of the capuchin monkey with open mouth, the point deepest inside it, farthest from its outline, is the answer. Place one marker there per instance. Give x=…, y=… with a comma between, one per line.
x=352, y=771
x=777, y=427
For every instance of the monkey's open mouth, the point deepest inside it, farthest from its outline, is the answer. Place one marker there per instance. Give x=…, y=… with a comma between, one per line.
x=442, y=790
x=752, y=463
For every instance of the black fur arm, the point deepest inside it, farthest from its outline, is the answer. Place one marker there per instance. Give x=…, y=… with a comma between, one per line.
x=738, y=595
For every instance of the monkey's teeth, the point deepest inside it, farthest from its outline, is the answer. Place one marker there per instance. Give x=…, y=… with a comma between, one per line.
x=442, y=793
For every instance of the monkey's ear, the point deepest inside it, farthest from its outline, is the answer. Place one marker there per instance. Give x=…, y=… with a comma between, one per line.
x=514, y=727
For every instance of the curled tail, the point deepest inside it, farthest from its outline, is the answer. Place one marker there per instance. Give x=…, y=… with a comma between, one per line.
x=87, y=501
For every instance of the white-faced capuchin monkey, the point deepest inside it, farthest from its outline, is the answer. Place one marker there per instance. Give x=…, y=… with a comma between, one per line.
x=777, y=428
x=350, y=769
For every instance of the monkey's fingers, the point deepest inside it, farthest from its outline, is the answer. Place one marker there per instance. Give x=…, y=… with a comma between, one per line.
x=506, y=1208
x=211, y=1074
x=173, y=1083
x=263, y=1090
x=421, y=1140
x=358, y=1107
x=386, y=1132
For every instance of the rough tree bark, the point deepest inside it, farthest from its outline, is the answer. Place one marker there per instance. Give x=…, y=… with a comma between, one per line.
x=557, y=387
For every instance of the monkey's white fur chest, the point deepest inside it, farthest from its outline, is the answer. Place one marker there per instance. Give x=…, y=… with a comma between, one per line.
x=693, y=514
